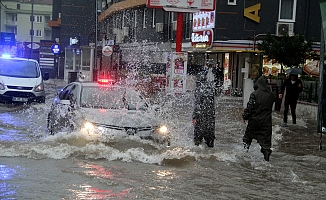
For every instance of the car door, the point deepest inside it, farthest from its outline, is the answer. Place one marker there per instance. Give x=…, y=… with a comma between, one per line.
x=61, y=116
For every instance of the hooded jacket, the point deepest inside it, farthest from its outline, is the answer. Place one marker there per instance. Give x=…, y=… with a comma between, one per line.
x=260, y=105
x=204, y=110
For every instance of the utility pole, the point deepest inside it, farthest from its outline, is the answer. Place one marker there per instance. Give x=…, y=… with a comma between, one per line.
x=32, y=28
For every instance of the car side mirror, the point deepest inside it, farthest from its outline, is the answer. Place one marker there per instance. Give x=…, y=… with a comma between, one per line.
x=46, y=76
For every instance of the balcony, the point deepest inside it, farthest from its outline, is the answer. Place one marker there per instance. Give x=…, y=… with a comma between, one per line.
x=10, y=23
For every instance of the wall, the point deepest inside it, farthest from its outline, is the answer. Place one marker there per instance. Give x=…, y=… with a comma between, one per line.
x=307, y=110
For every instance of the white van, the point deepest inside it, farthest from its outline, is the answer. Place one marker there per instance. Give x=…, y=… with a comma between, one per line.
x=21, y=80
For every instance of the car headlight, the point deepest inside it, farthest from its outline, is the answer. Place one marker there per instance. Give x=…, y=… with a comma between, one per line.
x=88, y=127
x=39, y=88
x=163, y=129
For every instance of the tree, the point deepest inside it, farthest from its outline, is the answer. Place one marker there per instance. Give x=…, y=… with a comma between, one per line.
x=290, y=51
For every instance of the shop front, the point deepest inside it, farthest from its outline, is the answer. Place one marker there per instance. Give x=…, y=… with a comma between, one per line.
x=238, y=61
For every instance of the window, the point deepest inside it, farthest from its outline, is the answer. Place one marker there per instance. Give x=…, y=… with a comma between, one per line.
x=18, y=6
x=86, y=62
x=144, y=18
x=31, y=18
x=135, y=18
x=39, y=19
x=39, y=33
x=153, y=17
x=232, y=2
x=287, y=10
x=14, y=17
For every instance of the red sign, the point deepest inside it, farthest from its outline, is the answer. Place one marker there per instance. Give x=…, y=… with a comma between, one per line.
x=202, y=39
x=107, y=50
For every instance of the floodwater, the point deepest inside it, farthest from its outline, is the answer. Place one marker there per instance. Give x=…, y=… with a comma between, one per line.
x=35, y=165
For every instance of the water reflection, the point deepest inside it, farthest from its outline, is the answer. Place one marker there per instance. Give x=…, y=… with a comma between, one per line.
x=6, y=173
x=89, y=192
x=99, y=172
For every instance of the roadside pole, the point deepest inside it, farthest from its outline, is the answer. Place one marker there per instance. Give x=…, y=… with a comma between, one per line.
x=322, y=4
x=321, y=89
x=178, y=39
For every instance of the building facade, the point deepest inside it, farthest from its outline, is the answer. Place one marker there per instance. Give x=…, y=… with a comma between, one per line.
x=74, y=28
x=145, y=35
x=28, y=22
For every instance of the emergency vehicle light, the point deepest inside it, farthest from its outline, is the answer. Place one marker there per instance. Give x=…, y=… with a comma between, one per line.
x=6, y=55
x=105, y=81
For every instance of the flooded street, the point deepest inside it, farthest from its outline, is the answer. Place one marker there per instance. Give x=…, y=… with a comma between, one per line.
x=36, y=165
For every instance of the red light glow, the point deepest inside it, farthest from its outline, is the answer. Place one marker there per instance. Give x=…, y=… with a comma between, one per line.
x=105, y=81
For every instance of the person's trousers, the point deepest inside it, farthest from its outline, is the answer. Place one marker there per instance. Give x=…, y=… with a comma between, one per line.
x=263, y=135
x=293, y=106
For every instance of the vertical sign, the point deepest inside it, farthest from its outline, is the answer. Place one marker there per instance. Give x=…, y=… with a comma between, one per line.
x=177, y=71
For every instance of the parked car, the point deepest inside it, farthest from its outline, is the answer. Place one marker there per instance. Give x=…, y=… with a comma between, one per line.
x=94, y=107
x=21, y=80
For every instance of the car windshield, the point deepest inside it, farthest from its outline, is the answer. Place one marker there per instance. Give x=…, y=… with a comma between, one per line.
x=18, y=68
x=112, y=98
x=103, y=97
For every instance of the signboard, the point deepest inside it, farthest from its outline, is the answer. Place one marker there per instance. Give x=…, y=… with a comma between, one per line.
x=107, y=51
x=202, y=39
x=190, y=4
x=177, y=71
x=203, y=20
x=55, y=48
x=7, y=39
x=46, y=54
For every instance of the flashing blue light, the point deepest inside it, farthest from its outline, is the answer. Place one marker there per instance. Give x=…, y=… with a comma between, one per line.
x=6, y=55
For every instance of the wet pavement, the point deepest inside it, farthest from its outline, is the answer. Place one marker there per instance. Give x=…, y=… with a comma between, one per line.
x=35, y=165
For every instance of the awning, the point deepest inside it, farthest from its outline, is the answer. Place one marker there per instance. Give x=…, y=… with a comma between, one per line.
x=123, y=5
x=312, y=68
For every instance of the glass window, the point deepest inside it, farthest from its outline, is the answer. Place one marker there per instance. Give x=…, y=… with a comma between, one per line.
x=232, y=2
x=144, y=18
x=39, y=19
x=103, y=97
x=39, y=33
x=69, y=58
x=65, y=93
x=18, y=68
x=86, y=61
x=14, y=17
x=287, y=10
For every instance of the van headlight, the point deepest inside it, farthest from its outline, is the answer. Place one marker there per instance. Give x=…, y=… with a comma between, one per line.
x=39, y=88
x=163, y=129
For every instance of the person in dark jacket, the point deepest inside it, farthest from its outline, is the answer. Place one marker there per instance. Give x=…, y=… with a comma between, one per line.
x=203, y=117
x=258, y=113
x=293, y=87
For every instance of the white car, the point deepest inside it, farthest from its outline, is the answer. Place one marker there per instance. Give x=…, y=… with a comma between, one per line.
x=21, y=80
x=93, y=107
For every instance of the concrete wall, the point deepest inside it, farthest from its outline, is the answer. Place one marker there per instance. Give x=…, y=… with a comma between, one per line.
x=307, y=110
